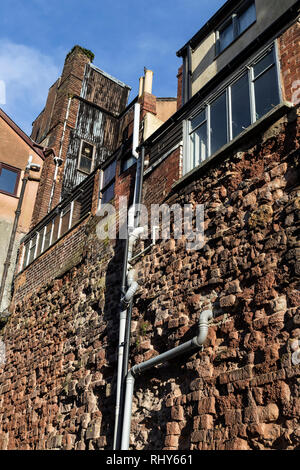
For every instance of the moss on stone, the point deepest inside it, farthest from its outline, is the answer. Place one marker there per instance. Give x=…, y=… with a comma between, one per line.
x=86, y=52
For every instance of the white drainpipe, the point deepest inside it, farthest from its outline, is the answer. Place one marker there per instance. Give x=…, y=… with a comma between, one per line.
x=132, y=288
x=133, y=235
x=138, y=369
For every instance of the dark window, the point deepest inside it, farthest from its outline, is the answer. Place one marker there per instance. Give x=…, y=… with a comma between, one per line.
x=240, y=103
x=40, y=243
x=86, y=157
x=109, y=173
x=239, y=21
x=246, y=17
x=226, y=36
x=108, y=193
x=127, y=162
x=47, y=237
x=108, y=183
x=198, y=139
x=218, y=123
x=265, y=85
x=9, y=179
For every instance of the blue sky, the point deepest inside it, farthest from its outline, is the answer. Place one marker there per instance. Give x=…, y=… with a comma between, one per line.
x=125, y=36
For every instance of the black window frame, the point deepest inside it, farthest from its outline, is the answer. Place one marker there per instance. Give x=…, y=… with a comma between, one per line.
x=234, y=20
x=105, y=185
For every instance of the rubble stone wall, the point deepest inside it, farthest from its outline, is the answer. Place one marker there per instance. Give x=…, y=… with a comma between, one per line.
x=57, y=386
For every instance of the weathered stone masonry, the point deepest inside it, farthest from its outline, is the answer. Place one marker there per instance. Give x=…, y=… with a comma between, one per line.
x=241, y=391
x=57, y=387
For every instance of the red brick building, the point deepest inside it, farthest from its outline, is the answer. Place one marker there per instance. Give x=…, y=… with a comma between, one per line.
x=231, y=146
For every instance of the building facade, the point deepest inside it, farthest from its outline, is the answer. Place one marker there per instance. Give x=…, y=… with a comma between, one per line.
x=17, y=197
x=231, y=147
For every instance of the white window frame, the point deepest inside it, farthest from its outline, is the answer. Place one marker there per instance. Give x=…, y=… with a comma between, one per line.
x=80, y=155
x=246, y=70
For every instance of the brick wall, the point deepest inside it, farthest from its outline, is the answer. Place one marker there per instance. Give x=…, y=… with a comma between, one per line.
x=179, y=87
x=289, y=52
x=54, y=115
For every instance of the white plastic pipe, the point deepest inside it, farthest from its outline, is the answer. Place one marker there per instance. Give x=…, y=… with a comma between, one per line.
x=138, y=369
x=136, y=130
x=132, y=288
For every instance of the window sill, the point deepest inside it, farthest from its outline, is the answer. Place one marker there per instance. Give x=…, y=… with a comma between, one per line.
x=9, y=194
x=271, y=116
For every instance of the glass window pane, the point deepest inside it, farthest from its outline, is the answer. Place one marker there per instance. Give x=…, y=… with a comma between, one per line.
x=240, y=103
x=109, y=173
x=8, y=179
x=127, y=163
x=196, y=121
x=87, y=150
x=218, y=120
x=266, y=92
x=263, y=64
x=199, y=145
x=226, y=36
x=25, y=255
x=85, y=164
x=48, y=235
x=55, y=229
x=246, y=17
x=108, y=194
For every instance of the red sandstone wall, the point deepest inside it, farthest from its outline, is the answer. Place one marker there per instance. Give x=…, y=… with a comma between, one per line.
x=241, y=391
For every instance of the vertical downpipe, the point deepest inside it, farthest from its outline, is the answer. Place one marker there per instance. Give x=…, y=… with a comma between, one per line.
x=123, y=309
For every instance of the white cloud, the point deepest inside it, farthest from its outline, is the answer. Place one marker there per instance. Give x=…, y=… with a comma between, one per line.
x=27, y=74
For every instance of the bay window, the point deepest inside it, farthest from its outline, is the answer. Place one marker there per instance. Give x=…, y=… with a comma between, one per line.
x=240, y=105
x=247, y=97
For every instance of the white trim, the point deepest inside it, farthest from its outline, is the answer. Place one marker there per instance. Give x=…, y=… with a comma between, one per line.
x=163, y=157
x=71, y=214
x=80, y=155
x=248, y=70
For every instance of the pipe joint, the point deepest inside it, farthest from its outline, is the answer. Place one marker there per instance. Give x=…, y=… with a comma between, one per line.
x=204, y=318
